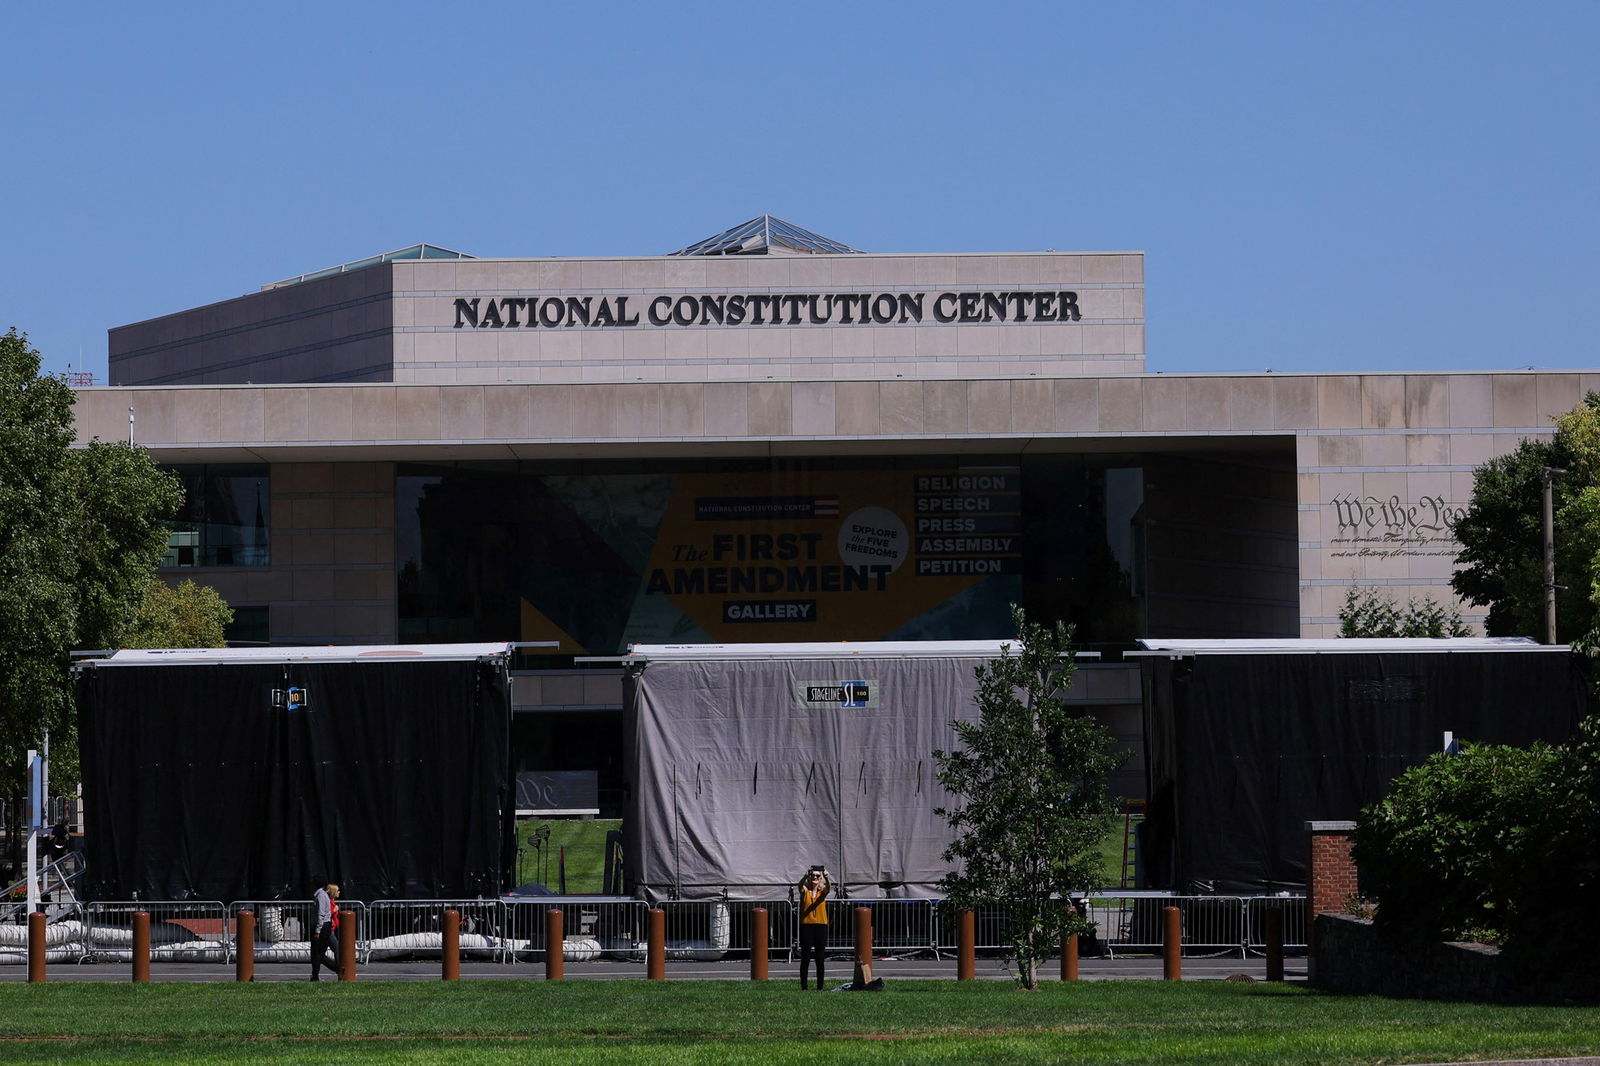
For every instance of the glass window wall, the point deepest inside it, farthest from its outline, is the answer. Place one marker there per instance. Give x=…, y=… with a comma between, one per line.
x=224, y=519
x=601, y=555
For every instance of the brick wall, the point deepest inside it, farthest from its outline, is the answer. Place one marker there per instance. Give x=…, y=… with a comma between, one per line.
x=1330, y=873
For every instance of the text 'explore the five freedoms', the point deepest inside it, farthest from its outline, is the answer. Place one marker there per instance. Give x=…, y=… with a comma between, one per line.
x=764, y=309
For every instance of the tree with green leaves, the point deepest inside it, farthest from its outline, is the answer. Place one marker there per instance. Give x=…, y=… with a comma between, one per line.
x=184, y=615
x=81, y=531
x=1030, y=801
x=1369, y=613
x=1501, y=563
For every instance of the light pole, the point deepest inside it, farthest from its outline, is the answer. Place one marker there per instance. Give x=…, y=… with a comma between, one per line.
x=1550, y=474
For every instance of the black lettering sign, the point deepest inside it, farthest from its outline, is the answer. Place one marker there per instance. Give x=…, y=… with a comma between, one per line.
x=761, y=309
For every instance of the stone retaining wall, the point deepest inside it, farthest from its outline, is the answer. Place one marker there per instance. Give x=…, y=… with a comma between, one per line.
x=1351, y=957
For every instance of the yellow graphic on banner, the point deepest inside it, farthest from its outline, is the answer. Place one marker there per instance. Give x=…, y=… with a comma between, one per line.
x=537, y=626
x=832, y=555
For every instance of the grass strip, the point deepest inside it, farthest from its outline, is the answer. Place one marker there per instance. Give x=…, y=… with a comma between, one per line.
x=775, y=1024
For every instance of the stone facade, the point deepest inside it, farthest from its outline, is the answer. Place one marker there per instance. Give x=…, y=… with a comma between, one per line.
x=582, y=320
x=1379, y=461
x=435, y=360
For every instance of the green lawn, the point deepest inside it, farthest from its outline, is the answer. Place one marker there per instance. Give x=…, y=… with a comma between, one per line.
x=584, y=840
x=773, y=1024
x=585, y=843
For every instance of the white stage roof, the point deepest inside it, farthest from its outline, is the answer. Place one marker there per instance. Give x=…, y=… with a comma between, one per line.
x=842, y=649
x=1181, y=646
x=349, y=653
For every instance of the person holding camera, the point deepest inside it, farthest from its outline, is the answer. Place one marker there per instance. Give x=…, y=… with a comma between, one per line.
x=814, y=889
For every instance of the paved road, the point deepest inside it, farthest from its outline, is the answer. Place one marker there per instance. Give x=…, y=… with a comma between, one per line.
x=840, y=969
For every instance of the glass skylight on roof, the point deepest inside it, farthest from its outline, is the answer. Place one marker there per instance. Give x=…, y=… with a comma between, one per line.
x=416, y=251
x=760, y=235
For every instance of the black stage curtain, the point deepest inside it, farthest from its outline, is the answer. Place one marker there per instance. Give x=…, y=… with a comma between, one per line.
x=394, y=779
x=1244, y=749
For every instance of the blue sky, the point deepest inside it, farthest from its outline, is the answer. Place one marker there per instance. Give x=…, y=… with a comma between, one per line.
x=1323, y=187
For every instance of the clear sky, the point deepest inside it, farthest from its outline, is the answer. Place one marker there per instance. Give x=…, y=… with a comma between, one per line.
x=1324, y=187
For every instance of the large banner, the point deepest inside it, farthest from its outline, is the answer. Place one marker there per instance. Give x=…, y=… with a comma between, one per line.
x=764, y=557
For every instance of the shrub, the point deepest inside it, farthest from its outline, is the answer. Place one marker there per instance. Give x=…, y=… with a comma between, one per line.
x=1493, y=843
x=1559, y=890
x=1443, y=854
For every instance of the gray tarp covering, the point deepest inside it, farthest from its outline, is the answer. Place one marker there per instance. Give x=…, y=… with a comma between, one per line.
x=743, y=773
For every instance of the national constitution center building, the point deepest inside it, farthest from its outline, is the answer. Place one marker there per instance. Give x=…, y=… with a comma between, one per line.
x=769, y=436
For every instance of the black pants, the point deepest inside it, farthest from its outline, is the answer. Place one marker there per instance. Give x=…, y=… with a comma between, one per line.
x=813, y=944
x=324, y=950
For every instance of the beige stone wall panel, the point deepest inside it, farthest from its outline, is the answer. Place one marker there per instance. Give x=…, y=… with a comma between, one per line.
x=771, y=411
x=1555, y=394
x=1122, y=404
x=1382, y=449
x=1166, y=403
x=1427, y=401
x=1383, y=402
x=1250, y=403
x=461, y=412
x=945, y=408
x=1208, y=403
x=1032, y=406
x=1516, y=401
x=901, y=407
x=858, y=408
x=814, y=409
x=1427, y=449
x=1339, y=403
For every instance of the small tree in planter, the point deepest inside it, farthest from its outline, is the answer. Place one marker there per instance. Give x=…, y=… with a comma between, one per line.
x=1031, y=803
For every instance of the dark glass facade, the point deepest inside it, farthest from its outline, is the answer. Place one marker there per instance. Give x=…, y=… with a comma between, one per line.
x=224, y=519
x=600, y=555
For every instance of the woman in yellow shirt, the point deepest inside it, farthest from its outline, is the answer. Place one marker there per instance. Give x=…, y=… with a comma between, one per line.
x=814, y=889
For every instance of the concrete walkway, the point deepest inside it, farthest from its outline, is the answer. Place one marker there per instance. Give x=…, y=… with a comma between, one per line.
x=839, y=970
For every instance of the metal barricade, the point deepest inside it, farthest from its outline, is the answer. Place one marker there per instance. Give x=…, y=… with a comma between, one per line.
x=1294, y=922
x=512, y=930
x=188, y=931
x=283, y=928
x=781, y=917
x=1214, y=925
x=593, y=927
x=1120, y=923
x=405, y=929
x=65, y=937
x=703, y=930
x=991, y=928
x=900, y=927
x=708, y=930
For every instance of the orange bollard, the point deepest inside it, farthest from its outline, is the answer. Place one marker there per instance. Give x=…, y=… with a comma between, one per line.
x=555, y=944
x=1172, y=944
x=863, y=946
x=655, y=968
x=1069, y=958
x=966, y=946
x=244, y=946
x=141, y=946
x=758, y=944
x=349, y=933
x=36, y=949
x=450, y=948
x=1275, y=943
